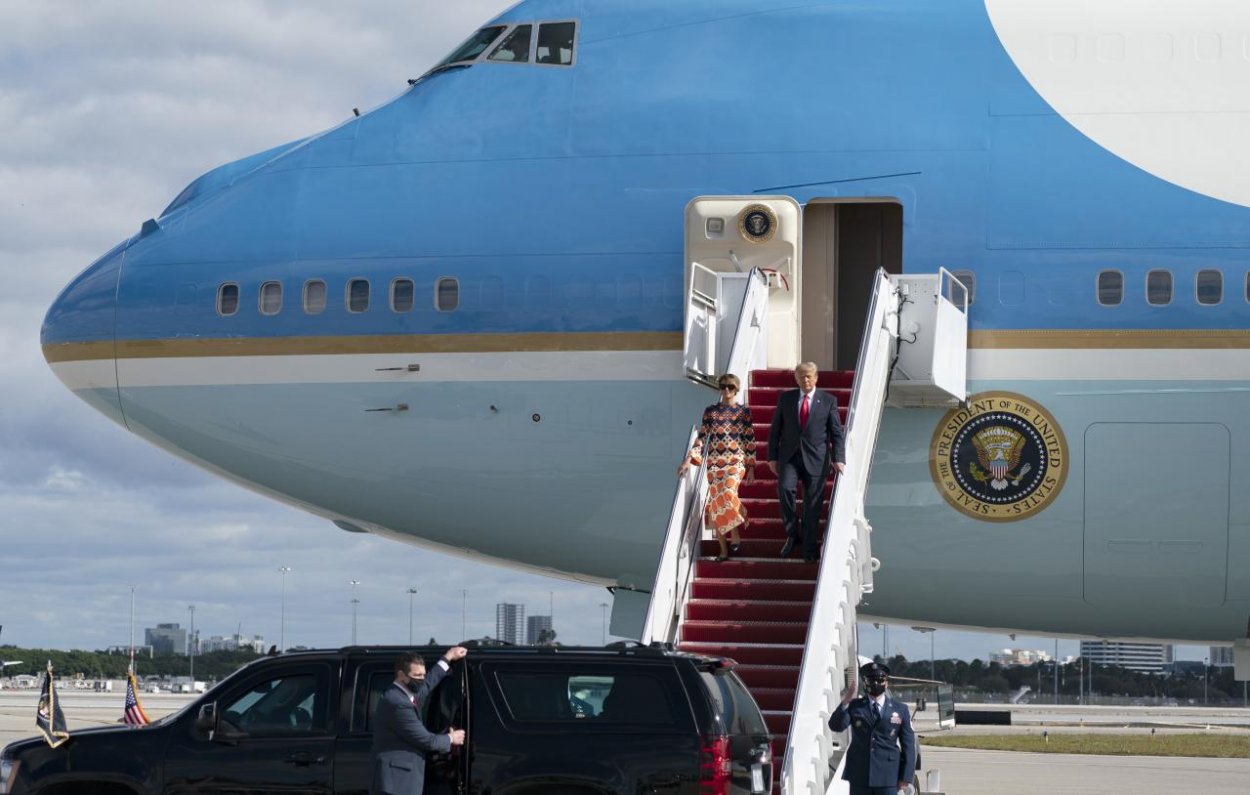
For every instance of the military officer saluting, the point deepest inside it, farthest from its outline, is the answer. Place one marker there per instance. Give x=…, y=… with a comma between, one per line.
x=882, y=757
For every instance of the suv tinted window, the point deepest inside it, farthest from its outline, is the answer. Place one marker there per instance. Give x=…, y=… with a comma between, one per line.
x=614, y=697
x=733, y=703
x=291, y=704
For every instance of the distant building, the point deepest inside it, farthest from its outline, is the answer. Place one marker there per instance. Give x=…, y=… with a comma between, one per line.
x=510, y=623
x=166, y=639
x=1010, y=657
x=1222, y=656
x=534, y=628
x=233, y=643
x=1147, y=658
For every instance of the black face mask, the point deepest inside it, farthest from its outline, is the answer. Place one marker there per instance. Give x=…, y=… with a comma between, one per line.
x=876, y=687
x=415, y=684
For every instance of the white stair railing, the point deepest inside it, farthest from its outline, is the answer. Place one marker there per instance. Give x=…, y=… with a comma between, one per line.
x=846, y=566
x=675, y=569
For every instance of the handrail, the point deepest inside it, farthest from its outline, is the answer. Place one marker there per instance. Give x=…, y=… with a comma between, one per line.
x=675, y=568
x=678, y=553
x=701, y=320
x=745, y=352
x=847, y=564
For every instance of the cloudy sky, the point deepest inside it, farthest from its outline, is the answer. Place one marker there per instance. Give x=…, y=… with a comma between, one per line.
x=107, y=110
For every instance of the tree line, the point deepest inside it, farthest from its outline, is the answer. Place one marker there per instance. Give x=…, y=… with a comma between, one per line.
x=105, y=665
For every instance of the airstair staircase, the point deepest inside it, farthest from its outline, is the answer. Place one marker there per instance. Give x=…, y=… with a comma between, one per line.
x=790, y=625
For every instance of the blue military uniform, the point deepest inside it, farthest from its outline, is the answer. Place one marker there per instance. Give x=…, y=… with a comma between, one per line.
x=883, y=745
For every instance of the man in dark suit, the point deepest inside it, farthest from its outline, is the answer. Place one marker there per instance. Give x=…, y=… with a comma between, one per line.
x=806, y=429
x=400, y=739
x=881, y=759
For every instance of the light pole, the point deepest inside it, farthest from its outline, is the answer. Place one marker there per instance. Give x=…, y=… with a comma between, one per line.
x=411, y=593
x=191, y=646
x=464, y=607
x=603, y=610
x=1204, y=680
x=1055, y=663
x=930, y=631
x=132, y=629
x=355, y=602
x=282, y=619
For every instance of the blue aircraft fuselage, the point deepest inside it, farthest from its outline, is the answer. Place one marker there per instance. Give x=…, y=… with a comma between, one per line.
x=537, y=211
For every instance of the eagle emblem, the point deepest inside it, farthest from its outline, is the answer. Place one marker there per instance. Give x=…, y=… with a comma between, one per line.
x=999, y=449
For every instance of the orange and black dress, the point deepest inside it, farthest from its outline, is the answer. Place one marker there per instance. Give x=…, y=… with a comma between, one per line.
x=728, y=440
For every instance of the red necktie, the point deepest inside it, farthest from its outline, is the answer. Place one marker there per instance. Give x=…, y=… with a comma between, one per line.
x=804, y=410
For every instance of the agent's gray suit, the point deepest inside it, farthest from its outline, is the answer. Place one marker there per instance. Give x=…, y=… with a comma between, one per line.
x=802, y=453
x=400, y=739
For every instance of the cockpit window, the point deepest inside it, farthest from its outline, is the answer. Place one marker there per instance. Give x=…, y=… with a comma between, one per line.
x=476, y=44
x=515, y=48
x=555, y=43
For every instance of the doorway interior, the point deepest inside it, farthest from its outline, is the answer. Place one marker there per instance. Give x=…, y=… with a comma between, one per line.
x=845, y=241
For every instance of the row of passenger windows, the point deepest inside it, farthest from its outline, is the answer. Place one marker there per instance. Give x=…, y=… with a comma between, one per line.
x=1208, y=287
x=1208, y=291
x=356, y=296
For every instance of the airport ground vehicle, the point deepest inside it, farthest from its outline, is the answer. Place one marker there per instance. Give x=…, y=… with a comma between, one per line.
x=552, y=720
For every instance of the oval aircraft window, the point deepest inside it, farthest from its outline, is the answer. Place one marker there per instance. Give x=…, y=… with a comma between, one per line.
x=358, y=295
x=271, y=298
x=967, y=279
x=1159, y=288
x=1110, y=288
x=314, y=296
x=515, y=48
x=447, y=294
x=1210, y=287
x=227, y=299
x=401, y=295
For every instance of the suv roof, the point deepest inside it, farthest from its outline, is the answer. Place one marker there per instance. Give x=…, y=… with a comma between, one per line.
x=495, y=648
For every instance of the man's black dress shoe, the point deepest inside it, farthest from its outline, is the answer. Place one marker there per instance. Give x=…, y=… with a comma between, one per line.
x=787, y=548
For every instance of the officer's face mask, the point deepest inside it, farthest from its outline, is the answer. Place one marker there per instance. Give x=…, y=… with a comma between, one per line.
x=876, y=686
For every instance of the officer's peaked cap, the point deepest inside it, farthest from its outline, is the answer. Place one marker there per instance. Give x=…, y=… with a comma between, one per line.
x=874, y=669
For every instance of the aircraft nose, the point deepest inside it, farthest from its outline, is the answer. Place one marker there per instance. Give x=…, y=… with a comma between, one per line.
x=79, y=334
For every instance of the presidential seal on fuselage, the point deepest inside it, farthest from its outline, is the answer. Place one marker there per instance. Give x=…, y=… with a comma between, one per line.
x=999, y=458
x=757, y=223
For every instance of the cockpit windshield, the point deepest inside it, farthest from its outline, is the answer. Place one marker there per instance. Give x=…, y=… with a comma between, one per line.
x=474, y=46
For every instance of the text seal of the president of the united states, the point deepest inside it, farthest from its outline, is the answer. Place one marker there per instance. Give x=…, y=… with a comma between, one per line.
x=999, y=458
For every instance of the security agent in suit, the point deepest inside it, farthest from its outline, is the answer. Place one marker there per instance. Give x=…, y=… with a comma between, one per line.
x=400, y=739
x=799, y=446
x=882, y=757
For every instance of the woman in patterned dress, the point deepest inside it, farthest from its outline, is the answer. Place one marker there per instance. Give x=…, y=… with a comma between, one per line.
x=728, y=440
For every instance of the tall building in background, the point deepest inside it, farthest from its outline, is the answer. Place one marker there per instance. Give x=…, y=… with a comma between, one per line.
x=166, y=639
x=1222, y=656
x=510, y=623
x=534, y=627
x=1147, y=658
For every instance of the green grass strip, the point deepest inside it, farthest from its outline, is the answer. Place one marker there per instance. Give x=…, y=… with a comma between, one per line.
x=1224, y=746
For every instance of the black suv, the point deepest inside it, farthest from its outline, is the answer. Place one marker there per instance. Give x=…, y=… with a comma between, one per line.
x=549, y=720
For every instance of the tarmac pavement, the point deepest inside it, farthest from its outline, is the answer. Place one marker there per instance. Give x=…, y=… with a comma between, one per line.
x=963, y=772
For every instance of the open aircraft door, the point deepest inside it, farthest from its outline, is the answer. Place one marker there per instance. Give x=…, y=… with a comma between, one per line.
x=727, y=237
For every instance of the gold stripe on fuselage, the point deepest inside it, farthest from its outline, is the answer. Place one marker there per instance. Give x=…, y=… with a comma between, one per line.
x=1033, y=339
x=365, y=344
x=1110, y=339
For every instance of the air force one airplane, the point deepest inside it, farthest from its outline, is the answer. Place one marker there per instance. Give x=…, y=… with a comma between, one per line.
x=460, y=319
